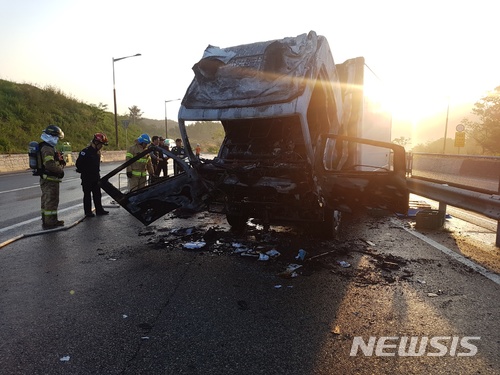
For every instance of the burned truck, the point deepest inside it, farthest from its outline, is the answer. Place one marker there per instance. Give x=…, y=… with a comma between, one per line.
x=303, y=142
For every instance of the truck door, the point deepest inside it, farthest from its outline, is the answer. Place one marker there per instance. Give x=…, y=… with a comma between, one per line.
x=347, y=185
x=158, y=197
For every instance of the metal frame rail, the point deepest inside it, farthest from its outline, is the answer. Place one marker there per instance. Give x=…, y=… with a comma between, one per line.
x=481, y=203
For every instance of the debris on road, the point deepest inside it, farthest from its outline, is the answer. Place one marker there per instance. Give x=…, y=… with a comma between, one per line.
x=239, y=248
x=370, y=243
x=212, y=234
x=273, y=247
x=344, y=264
x=336, y=330
x=389, y=265
x=250, y=253
x=414, y=208
x=273, y=253
x=322, y=255
x=146, y=231
x=301, y=254
x=182, y=231
x=290, y=271
x=263, y=257
x=194, y=245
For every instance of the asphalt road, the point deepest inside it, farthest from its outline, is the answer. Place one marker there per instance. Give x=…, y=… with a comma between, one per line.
x=109, y=296
x=20, y=194
x=20, y=199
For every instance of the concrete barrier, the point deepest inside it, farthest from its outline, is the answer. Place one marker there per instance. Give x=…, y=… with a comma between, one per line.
x=19, y=162
x=468, y=171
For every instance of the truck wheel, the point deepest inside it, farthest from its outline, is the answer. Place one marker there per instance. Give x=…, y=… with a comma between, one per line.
x=237, y=221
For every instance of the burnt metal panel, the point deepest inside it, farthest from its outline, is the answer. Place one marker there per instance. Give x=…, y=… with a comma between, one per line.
x=347, y=189
x=158, y=198
x=254, y=74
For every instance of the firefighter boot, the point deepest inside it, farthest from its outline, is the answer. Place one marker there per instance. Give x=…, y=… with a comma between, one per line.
x=48, y=222
x=59, y=223
x=51, y=222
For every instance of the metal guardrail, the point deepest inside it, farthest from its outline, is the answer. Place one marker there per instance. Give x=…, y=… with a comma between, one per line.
x=468, y=182
x=481, y=203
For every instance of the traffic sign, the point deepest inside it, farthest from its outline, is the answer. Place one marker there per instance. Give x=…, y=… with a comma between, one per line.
x=459, y=139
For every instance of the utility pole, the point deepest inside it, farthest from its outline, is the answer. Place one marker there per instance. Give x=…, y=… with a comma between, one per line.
x=114, y=93
x=446, y=126
x=168, y=101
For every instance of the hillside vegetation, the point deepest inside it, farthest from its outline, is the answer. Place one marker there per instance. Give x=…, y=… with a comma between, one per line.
x=26, y=110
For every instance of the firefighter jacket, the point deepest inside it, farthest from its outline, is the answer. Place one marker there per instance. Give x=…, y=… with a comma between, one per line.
x=88, y=164
x=142, y=166
x=52, y=162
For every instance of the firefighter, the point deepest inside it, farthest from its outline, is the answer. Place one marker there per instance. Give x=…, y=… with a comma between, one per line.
x=179, y=151
x=137, y=172
x=51, y=176
x=163, y=159
x=87, y=164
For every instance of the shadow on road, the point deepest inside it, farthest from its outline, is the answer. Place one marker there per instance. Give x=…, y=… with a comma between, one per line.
x=114, y=297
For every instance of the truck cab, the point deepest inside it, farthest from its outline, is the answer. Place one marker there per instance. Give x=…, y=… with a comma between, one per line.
x=293, y=150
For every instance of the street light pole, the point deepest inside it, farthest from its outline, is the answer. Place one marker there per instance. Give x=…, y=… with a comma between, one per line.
x=114, y=93
x=166, y=128
x=446, y=125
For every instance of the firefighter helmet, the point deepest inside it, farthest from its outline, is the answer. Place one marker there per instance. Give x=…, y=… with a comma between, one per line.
x=100, y=138
x=54, y=131
x=144, y=138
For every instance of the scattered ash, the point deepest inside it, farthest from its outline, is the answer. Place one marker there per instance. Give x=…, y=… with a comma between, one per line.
x=285, y=252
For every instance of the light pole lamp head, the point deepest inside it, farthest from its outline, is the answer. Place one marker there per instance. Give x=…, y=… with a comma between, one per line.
x=126, y=57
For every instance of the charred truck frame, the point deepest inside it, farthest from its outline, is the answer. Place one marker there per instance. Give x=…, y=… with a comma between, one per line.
x=295, y=148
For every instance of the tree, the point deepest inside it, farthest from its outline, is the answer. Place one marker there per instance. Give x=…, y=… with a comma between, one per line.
x=402, y=141
x=98, y=112
x=135, y=114
x=486, y=131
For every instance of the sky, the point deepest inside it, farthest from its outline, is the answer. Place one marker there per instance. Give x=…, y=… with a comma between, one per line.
x=428, y=53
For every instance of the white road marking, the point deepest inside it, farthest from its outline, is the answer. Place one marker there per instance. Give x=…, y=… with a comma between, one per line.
x=18, y=189
x=17, y=225
x=35, y=186
x=483, y=271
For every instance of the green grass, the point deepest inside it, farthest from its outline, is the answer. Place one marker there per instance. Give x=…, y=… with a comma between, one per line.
x=25, y=110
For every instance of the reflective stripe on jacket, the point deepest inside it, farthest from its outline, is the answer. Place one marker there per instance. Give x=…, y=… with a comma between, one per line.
x=139, y=173
x=51, y=178
x=51, y=166
x=142, y=166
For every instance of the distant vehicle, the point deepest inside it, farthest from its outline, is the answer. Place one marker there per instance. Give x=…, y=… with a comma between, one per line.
x=170, y=142
x=295, y=148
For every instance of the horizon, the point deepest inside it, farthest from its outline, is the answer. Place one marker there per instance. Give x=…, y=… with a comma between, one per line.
x=419, y=50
